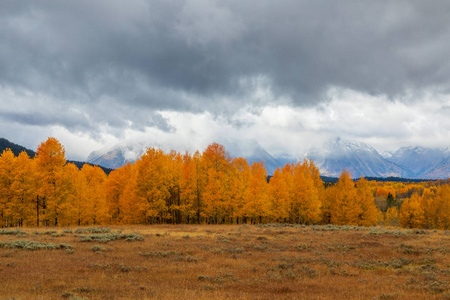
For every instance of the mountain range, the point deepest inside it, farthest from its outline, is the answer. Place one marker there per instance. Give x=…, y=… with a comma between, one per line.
x=363, y=160
x=359, y=159
x=331, y=158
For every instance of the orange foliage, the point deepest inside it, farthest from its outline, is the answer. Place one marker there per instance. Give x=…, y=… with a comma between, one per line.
x=411, y=213
x=208, y=187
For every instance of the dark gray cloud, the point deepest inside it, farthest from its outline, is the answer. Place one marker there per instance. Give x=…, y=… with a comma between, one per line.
x=72, y=121
x=104, y=63
x=151, y=53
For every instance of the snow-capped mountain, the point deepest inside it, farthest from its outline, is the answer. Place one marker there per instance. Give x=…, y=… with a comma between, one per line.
x=441, y=169
x=117, y=156
x=285, y=158
x=419, y=161
x=332, y=157
x=252, y=151
x=386, y=154
x=358, y=158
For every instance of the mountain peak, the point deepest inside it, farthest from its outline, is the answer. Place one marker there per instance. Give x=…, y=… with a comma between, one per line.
x=358, y=158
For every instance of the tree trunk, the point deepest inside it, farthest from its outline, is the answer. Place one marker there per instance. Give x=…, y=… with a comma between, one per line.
x=37, y=211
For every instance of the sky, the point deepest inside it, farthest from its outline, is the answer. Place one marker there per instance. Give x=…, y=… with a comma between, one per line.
x=186, y=73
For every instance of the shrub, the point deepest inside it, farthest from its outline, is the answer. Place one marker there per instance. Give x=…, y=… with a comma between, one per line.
x=50, y=232
x=58, y=234
x=33, y=245
x=228, y=250
x=105, y=238
x=93, y=230
x=66, y=246
x=97, y=248
x=131, y=237
x=124, y=268
x=162, y=254
x=67, y=295
x=12, y=232
x=399, y=263
x=309, y=272
x=331, y=227
x=102, y=238
x=190, y=258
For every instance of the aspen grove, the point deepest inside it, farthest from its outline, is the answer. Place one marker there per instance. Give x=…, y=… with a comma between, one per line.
x=209, y=187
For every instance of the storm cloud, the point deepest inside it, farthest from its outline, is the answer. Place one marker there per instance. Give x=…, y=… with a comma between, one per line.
x=91, y=66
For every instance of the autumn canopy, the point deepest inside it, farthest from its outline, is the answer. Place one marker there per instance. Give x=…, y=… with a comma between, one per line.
x=209, y=187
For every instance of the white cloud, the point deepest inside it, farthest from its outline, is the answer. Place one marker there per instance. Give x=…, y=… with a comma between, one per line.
x=288, y=74
x=385, y=124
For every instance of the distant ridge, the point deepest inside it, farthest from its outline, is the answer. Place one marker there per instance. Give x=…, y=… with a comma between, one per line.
x=399, y=179
x=17, y=149
x=327, y=179
x=362, y=160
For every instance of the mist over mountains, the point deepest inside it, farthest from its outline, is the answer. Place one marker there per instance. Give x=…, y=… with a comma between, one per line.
x=363, y=160
x=359, y=159
x=251, y=150
x=331, y=158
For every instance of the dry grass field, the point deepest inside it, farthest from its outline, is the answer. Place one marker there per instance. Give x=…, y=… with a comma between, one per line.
x=224, y=262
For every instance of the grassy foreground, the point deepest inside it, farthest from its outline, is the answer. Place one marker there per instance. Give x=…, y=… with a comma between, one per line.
x=224, y=261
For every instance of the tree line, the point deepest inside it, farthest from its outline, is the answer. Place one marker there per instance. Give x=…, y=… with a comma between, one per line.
x=208, y=187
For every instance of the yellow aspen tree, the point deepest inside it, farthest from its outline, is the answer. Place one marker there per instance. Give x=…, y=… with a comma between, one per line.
x=411, y=214
x=368, y=213
x=199, y=206
x=256, y=204
x=328, y=203
x=212, y=194
x=76, y=198
x=278, y=197
x=114, y=189
x=305, y=195
x=216, y=169
x=427, y=203
x=6, y=187
x=133, y=208
x=239, y=183
x=59, y=208
x=442, y=208
x=188, y=188
x=391, y=217
x=23, y=188
x=318, y=183
x=37, y=199
x=345, y=208
x=173, y=202
x=289, y=206
x=50, y=160
x=152, y=185
x=96, y=210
